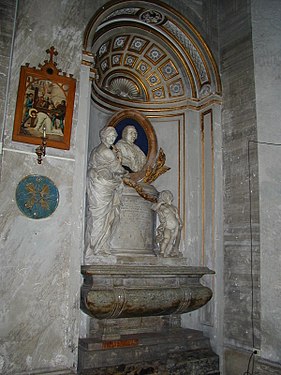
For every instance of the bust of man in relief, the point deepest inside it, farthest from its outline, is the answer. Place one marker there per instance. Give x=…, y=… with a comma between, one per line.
x=132, y=157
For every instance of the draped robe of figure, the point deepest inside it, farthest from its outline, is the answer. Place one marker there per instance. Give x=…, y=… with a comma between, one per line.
x=104, y=189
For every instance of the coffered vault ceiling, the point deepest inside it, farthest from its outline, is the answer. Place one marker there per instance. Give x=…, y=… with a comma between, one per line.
x=144, y=53
x=133, y=67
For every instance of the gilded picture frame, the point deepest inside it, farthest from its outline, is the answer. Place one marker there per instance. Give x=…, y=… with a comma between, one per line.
x=44, y=105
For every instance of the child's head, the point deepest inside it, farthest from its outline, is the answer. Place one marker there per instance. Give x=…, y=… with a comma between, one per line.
x=166, y=196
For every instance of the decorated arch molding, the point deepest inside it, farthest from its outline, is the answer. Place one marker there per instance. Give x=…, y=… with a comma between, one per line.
x=147, y=54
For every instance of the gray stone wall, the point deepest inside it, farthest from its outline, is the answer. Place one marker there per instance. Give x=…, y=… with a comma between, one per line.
x=267, y=57
x=40, y=259
x=241, y=210
x=203, y=15
x=250, y=54
x=7, y=15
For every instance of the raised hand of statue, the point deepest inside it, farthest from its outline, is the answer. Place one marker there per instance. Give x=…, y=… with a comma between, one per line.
x=117, y=153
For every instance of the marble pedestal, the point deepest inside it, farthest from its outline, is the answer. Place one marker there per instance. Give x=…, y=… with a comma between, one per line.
x=135, y=233
x=135, y=323
x=176, y=351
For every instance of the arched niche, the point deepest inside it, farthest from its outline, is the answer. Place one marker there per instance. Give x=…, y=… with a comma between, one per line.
x=146, y=57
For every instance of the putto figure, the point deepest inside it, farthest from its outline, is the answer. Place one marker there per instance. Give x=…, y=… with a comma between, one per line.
x=104, y=189
x=168, y=232
x=133, y=158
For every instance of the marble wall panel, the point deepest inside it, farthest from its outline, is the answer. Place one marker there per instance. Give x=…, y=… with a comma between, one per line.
x=267, y=57
x=40, y=263
x=169, y=136
x=36, y=305
x=270, y=195
x=241, y=217
x=7, y=17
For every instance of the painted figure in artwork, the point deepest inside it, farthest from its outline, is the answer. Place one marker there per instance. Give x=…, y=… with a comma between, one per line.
x=133, y=158
x=104, y=190
x=59, y=115
x=168, y=232
x=28, y=106
x=43, y=121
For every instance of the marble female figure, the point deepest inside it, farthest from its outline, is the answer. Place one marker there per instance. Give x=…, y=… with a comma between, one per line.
x=104, y=189
x=132, y=156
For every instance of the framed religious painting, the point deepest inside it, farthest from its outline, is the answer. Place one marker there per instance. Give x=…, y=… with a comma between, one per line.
x=44, y=105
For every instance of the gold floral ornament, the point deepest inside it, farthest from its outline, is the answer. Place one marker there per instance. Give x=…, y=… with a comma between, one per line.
x=159, y=168
x=151, y=174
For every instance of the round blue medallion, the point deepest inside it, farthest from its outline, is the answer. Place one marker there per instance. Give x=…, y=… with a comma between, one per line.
x=37, y=196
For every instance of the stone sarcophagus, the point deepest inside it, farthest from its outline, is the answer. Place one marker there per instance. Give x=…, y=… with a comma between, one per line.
x=126, y=291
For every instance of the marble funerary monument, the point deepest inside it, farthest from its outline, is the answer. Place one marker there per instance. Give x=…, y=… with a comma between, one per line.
x=136, y=281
